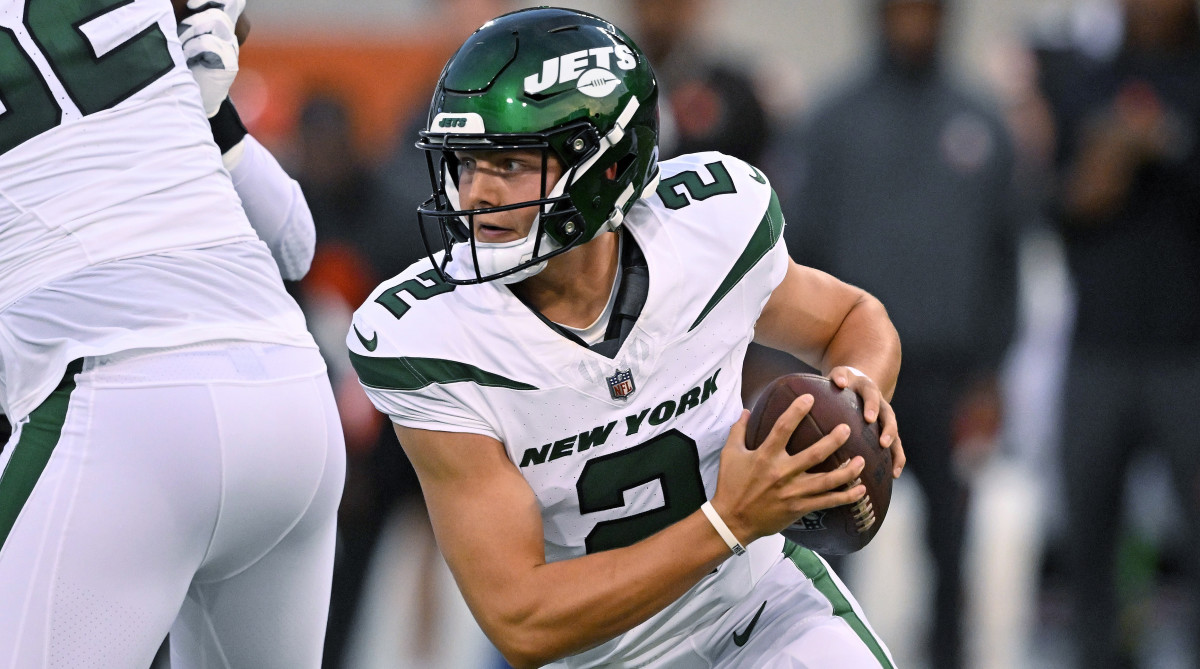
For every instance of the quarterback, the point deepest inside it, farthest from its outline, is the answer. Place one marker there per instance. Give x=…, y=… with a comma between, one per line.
x=176, y=460
x=564, y=369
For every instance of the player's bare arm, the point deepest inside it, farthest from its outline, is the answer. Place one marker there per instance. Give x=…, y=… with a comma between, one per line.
x=844, y=332
x=489, y=529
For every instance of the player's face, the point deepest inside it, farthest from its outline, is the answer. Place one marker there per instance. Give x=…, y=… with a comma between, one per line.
x=497, y=178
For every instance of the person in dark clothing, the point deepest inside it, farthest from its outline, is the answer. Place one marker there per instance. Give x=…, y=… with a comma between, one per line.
x=1128, y=208
x=905, y=187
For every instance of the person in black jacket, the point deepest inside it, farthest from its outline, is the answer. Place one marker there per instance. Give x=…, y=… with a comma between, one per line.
x=1128, y=209
x=905, y=187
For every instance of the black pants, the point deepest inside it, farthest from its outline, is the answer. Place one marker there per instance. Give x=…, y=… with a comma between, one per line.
x=1115, y=405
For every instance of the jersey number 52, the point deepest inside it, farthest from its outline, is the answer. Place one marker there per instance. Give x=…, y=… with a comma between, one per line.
x=52, y=44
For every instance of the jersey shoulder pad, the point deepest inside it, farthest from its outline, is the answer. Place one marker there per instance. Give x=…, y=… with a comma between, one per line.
x=722, y=222
x=402, y=312
x=703, y=184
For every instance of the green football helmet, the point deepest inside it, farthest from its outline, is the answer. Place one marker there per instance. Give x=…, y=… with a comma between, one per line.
x=564, y=82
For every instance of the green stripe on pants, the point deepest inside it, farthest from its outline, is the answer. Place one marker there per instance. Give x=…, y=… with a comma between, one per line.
x=32, y=450
x=815, y=570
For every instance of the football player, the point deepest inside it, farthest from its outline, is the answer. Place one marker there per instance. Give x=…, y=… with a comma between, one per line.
x=176, y=460
x=563, y=371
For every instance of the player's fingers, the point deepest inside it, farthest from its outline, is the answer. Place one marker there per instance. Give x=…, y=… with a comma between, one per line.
x=211, y=20
x=843, y=475
x=211, y=53
x=822, y=449
x=787, y=422
x=233, y=8
x=834, y=498
x=889, y=431
x=840, y=376
x=871, y=400
x=898, y=458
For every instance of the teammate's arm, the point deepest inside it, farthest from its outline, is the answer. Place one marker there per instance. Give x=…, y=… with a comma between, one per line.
x=211, y=32
x=839, y=329
x=489, y=528
x=276, y=208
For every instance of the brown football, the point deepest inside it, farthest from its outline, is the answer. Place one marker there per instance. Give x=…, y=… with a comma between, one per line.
x=843, y=529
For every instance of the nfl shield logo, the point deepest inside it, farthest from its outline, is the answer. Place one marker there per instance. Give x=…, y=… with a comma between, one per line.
x=812, y=521
x=620, y=384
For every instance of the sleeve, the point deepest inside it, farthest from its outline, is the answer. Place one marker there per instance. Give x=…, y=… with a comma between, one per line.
x=769, y=272
x=276, y=208
x=431, y=409
x=398, y=390
x=725, y=221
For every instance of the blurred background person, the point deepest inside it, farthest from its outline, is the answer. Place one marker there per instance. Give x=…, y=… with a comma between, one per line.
x=904, y=185
x=710, y=98
x=1128, y=209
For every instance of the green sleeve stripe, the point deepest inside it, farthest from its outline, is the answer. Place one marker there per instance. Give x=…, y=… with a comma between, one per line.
x=33, y=449
x=815, y=570
x=417, y=373
x=768, y=232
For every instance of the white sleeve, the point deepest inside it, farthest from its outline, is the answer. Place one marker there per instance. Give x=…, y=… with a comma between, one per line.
x=431, y=409
x=276, y=208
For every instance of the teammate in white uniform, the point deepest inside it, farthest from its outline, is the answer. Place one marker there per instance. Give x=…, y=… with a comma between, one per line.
x=565, y=379
x=176, y=460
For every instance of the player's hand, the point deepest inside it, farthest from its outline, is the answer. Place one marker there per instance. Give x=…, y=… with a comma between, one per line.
x=233, y=8
x=875, y=408
x=762, y=491
x=210, y=46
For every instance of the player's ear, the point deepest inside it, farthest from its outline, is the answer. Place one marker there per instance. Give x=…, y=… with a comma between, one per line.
x=611, y=172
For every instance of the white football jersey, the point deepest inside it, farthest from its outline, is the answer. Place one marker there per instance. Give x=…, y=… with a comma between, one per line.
x=616, y=448
x=106, y=156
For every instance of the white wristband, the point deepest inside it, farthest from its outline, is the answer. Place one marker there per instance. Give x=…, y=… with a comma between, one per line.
x=722, y=529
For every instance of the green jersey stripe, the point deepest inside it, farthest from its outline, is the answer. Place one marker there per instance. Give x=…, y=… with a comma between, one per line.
x=815, y=570
x=769, y=229
x=32, y=450
x=417, y=373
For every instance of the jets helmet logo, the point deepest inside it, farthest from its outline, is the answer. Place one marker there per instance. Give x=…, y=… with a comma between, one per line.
x=597, y=83
x=620, y=384
x=593, y=68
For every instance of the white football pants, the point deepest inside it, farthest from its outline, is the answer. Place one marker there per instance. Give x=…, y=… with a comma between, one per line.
x=798, y=616
x=189, y=490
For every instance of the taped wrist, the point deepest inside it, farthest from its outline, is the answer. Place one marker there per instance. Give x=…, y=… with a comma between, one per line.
x=227, y=127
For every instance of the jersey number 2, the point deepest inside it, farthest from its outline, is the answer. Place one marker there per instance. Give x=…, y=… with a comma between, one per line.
x=668, y=188
x=670, y=458
x=94, y=83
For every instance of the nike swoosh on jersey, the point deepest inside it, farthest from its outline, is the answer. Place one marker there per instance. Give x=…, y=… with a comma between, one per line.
x=369, y=344
x=740, y=640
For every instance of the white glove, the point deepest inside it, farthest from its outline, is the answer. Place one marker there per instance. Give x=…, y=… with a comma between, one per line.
x=211, y=49
x=233, y=8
